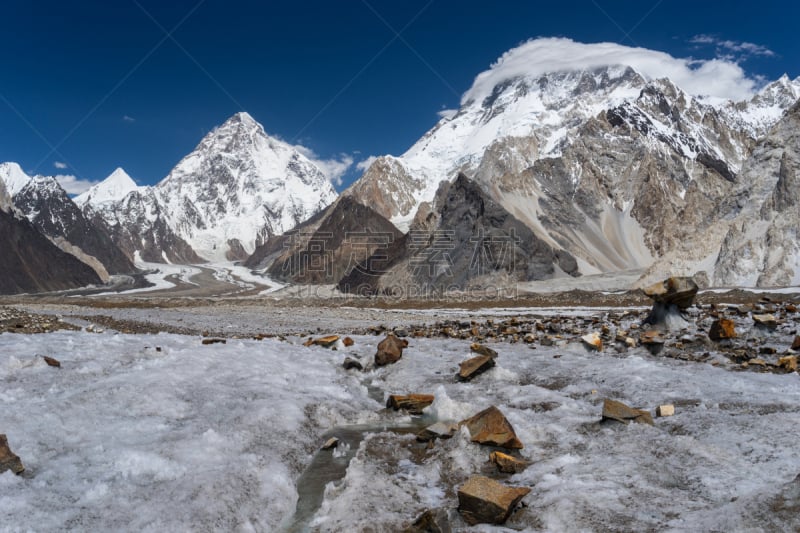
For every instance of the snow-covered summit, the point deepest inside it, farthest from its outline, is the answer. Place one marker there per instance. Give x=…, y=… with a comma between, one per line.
x=114, y=188
x=540, y=95
x=14, y=177
x=238, y=187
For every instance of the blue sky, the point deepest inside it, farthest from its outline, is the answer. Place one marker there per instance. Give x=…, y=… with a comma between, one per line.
x=89, y=86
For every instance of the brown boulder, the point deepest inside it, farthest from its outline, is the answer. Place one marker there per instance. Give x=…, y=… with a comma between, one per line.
x=679, y=291
x=796, y=343
x=347, y=341
x=474, y=366
x=491, y=427
x=485, y=501
x=430, y=522
x=724, y=328
x=390, y=350
x=51, y=361
x=481, y=349
x=507, y=464
x=350, y=363
x=214, y=341
x=613, y=410
x=8, y=459
x=788, y=362
x=413, y=403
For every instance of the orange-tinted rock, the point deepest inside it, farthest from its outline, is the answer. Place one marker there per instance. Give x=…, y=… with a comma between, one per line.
x=413, y=403
x=491, y=427
x=347, y=341
x=8, y=459
x=507, y=464
x=789, y=362
x=390, y=350
x=679, y=291
x=593, y=341
x=484, y=501
x=613, y=410
x=474, y=366
x=482, y=349
x=724, y=328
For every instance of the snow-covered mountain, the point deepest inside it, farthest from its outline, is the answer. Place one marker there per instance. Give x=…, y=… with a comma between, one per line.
x=29, y=261
x=48, y=207
x=610, y=161
x=14, y=178
x=235, y=190
x=112, y=189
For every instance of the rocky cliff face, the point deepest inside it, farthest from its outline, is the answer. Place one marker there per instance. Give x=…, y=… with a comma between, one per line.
x=29, y=261
x=465, y=240
x=54, y=214
x=617, y=169
x=328, y=246
x=752, y=238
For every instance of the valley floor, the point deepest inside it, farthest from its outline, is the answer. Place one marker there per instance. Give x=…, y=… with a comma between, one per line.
x=145, y=428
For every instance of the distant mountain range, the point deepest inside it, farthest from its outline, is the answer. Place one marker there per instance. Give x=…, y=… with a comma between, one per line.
x=566, y=173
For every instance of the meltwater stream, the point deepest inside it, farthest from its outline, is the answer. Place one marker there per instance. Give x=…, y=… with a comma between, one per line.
x=331, y=465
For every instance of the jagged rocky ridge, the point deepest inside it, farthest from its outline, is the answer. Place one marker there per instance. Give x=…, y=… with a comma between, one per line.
x=465, y=240
x=30, y=262
x=616, y=169
x=48, y=207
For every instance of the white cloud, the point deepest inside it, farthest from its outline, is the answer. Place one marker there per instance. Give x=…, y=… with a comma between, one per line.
x=446, y=113
x=60, y=165
x=73, y=185
x=733, y=50
x=364, y=164
x=334, y=168
x=128, y=118
x=718, y=78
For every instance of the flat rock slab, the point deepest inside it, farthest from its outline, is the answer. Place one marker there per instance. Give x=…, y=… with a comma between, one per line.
x=474, y=366
x=507, y=464
x=482, y=349
x=413, y=403
x=485, y=501
x=390, y=350
x=431, y=521
x=491, y=427
x=614, y=410
x=766, y=320
x=331, y=443
x=651, y=338
x=327, y=341
x=679, y=291
x=439, y=430
x=214, y=341
x=8, y=459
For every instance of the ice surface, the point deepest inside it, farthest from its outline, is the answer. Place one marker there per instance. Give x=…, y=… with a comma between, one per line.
x=194, y=437
x=191, y=438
